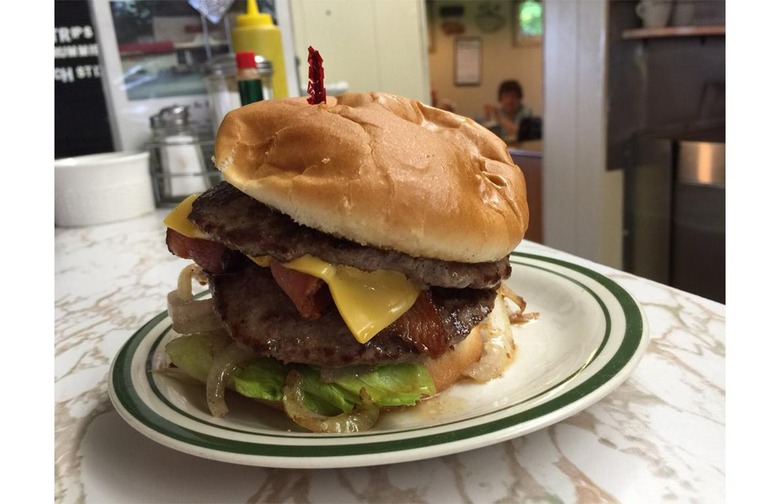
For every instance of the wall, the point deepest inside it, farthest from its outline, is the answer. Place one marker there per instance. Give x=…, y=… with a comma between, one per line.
x=582, y=200
x=371, y=45
x=500, y=59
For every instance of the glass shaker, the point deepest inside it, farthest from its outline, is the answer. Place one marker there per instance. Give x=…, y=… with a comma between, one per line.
x=178, y=157
x=222, y=84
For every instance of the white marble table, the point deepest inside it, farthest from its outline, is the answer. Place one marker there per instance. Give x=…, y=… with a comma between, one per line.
x=660, y=436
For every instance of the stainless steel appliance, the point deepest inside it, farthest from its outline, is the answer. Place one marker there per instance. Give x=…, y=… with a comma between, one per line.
x=675, y=209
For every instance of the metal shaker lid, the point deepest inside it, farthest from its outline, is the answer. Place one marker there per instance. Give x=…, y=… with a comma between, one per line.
x=173, y=116
x=225, y=64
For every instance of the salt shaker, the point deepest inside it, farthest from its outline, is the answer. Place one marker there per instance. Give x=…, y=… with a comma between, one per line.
x=180, y=168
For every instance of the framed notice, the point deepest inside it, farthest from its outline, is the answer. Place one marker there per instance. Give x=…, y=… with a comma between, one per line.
x=468, y=61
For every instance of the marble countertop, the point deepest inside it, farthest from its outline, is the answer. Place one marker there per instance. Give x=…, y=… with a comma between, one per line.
x=660, y=436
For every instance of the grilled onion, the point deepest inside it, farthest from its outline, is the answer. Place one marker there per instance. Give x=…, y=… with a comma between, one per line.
x=362, y=418
x=225, y=363
x=188, y=315
x=518, y=315
x=498, y=344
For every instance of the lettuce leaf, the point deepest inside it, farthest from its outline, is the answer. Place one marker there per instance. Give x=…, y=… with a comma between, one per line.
x=387, y=385
x=261, y=379
x=195, y=353
x=392, y=384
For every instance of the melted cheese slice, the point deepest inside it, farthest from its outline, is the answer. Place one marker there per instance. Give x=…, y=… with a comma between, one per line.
x=368, y=301
x=177, y=219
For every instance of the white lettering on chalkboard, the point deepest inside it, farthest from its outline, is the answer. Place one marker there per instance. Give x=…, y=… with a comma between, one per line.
x=75, y=42
x=76, y=51
x=69, y=34
x=71, y=74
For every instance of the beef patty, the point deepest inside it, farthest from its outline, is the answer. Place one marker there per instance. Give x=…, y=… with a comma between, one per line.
x=241, y=222
x=259, y=314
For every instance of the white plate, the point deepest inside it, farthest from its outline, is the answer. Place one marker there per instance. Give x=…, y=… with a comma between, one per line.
x=589, y=337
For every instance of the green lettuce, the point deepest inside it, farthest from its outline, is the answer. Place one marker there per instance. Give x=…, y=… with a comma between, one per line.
x=387, y=385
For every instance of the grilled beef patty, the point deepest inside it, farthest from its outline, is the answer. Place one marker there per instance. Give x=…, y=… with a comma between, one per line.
x=259, y=314
x=241, y=222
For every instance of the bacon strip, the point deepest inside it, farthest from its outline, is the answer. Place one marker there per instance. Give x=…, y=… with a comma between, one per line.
x=422, y=326
x=206, y=253
x=305, y=291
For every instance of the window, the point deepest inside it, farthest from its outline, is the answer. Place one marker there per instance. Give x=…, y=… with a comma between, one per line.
x=528, y=21
x=163, y=45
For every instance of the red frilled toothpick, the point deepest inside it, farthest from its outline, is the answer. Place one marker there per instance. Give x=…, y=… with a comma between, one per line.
x=316, y=86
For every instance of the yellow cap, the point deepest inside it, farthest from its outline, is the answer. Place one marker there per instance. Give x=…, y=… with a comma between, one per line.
x=253, y=16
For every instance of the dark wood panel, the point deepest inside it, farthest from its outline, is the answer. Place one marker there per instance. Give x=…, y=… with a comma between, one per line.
x=531, y=165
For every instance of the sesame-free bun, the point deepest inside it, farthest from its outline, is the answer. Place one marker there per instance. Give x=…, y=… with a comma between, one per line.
x=451, y=367
x=483, y=355
x=380, y=170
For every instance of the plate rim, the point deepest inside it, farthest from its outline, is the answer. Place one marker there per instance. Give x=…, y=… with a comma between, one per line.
x=152, y=424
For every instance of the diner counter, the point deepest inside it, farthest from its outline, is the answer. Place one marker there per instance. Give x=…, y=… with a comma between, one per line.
x=529, y=148
x=659, y=436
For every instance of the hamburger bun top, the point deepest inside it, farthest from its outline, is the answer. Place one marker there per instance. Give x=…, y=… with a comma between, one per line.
x=380, y=170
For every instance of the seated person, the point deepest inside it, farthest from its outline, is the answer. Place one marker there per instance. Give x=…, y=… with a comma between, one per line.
x=504, y=118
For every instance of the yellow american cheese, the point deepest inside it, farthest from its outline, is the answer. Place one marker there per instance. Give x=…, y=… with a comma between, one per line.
x=177, y=219
x=368, y=301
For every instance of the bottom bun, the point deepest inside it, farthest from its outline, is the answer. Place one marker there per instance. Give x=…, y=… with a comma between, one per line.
x=450, y=368
x=461, y=361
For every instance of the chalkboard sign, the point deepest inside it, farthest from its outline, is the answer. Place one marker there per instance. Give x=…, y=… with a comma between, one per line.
x=81, y=124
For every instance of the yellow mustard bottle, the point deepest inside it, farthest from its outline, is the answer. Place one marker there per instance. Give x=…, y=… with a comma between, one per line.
x=255, y=31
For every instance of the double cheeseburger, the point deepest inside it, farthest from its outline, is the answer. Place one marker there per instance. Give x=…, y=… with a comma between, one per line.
x=355, y=254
